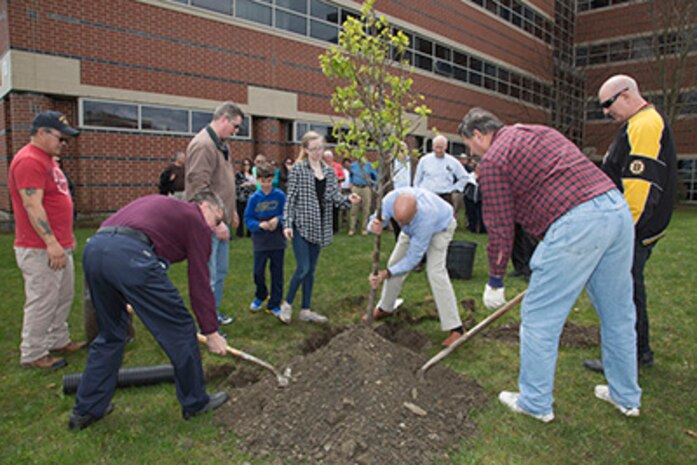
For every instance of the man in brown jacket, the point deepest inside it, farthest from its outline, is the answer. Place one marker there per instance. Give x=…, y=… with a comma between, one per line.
x=209, y=167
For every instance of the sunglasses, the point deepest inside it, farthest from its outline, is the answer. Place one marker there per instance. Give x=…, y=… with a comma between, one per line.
x=608, y=103
x=60, y=138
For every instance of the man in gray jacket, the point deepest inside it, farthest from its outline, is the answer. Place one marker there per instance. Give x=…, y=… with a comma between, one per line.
x=209, y=168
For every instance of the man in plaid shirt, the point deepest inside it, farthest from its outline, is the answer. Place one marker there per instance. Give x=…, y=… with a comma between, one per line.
x=533, y=176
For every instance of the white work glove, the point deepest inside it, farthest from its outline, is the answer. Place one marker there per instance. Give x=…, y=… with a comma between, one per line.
x=493, y=298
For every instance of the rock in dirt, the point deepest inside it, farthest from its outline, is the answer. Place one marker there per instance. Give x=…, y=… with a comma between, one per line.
x=335, y=412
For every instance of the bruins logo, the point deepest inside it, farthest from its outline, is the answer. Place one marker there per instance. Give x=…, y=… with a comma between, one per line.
x=636, y=167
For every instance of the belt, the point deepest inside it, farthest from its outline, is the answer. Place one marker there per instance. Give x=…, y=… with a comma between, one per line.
x=125, y=231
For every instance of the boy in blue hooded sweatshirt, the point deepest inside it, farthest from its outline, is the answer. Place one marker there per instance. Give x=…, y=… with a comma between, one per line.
x=264, y=218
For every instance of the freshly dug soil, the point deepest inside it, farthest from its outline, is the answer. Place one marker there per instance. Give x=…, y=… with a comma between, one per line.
x=355, y=400
x=572, y=336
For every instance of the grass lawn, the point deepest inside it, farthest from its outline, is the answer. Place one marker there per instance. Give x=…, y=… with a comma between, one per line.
x=146, y=426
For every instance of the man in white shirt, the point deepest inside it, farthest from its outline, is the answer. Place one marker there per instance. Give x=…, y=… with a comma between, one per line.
x=440, y=172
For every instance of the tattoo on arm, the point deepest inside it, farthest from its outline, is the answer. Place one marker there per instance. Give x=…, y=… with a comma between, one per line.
x=46, y=227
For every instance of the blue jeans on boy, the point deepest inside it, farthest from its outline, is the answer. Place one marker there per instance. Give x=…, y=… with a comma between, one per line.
x=275, y=259
x=218, y=266
x=590, y=246
x=306, y=256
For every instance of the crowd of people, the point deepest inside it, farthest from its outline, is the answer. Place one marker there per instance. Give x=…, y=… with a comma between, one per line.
x=566, y=223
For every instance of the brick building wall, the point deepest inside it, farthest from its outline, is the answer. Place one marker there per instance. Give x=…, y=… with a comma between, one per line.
x=157, y=52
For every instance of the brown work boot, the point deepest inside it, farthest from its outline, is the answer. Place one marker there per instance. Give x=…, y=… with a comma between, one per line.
x=450, y=340
x=378, y=314
x=46, y=363
x=69, y=348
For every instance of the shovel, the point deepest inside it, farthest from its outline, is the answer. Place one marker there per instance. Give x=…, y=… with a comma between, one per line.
x=282, y=379
x=471, y=333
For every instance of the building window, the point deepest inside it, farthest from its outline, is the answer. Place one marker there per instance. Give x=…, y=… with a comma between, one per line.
x=587, y=5
x=253, y=11
x=164, y=119
x=320, y=19
x=302, y=127
x=120, y=116
x=687, y=170
x=291, y=22
x=219, y=6
x=109, y=115
x=519, y=14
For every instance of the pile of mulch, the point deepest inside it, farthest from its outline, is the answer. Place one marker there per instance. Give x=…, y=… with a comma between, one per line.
x=572, y=336
x=355, y=400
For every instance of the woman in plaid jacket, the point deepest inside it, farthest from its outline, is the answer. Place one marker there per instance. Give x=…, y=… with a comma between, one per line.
x=312, y=194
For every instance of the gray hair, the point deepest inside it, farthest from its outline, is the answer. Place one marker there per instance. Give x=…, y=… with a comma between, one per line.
x=479, y=119
x=211, y=198
x=229, y=110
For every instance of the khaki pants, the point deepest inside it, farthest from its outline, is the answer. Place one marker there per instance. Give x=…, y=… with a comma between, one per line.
x=49, y=296
x=363, y=207
x=438, y=279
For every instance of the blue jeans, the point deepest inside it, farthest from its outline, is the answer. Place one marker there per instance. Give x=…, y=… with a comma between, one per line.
x=121, y=269
x=306, y=255
x=591, y=246
x=275, y=259
x=218, y=266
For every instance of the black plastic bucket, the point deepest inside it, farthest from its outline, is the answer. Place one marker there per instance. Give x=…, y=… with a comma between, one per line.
x=460, y=259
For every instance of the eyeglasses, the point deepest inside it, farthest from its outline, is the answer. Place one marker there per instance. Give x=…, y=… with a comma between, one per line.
x=60, y=138
x=608, y=103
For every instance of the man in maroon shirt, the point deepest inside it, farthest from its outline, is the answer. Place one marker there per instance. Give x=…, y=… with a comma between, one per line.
x=44, y=241
x=127, y=261
x=534, y=176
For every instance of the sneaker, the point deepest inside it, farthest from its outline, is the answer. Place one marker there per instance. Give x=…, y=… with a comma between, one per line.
x=510, y=400
x=215, y=401
x=76, y=422
x=312, y=317
x=602, y=392
x=256, y=304
x=224, y=320
x=593, y=365
x=284, y=313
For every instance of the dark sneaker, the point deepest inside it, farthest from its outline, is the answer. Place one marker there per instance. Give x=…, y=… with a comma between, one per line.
x=593, y=365
x=78, y=422
x=215, y=401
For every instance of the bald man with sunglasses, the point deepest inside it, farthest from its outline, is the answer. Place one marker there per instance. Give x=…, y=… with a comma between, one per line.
x=641, y=161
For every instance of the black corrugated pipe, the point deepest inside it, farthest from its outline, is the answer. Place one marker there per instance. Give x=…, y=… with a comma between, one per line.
x=137, y=376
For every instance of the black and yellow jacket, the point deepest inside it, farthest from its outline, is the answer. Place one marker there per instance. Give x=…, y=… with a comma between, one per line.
x=641, y=161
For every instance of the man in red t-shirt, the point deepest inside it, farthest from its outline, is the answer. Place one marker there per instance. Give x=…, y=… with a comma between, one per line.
x=44, y=241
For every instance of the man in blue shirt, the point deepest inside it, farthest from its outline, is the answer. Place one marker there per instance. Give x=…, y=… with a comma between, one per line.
x=428, y=225
x=363, y=179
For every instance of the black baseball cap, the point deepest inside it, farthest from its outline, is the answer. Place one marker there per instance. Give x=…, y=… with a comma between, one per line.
x=55, y=120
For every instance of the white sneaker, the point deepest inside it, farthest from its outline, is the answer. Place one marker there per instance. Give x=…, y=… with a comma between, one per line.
x=312, y=317
x=510, y=400
x=286, y=311
x=602, y=392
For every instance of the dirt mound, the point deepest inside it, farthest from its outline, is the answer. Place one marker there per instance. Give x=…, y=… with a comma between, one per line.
x=355, y=400
x=572, y=336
